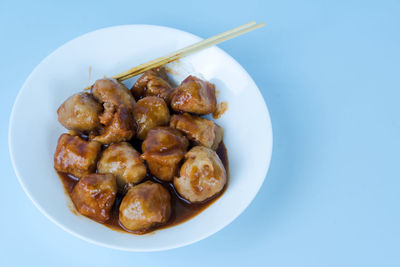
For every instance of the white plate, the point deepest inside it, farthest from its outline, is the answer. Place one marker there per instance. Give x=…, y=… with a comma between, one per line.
x=34, y=129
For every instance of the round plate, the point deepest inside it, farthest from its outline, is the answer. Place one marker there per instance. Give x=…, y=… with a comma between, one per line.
x=34, y=128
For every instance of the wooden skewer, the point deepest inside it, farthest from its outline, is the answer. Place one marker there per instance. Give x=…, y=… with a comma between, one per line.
x=188, y=50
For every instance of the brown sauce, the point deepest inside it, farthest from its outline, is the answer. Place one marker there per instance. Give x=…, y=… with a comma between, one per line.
x=181, y=210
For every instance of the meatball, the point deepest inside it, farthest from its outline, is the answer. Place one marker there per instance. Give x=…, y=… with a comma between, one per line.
x=113, y=92
x=202, y=175
x=152, y=83
x=150, y=112
x=163, y=149
x=194, y=95
x=121, y=128
x=145, y=206
x=76, y=156
x=124, y=162
x=202, y=131
x=80, y=112
x=94, y=196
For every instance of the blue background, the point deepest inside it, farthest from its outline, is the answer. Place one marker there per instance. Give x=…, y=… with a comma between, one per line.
x=329, y=72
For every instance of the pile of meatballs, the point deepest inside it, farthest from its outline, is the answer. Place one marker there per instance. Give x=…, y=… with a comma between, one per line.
x=177, y=146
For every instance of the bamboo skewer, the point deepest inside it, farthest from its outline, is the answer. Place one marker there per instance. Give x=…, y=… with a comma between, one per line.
x=188, y=50
x=219, y=38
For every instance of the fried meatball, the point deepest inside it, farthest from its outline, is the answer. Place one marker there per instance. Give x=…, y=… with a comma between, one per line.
x=111, y=91
x=150, y=112
x=121, y=128
x=94, y=196
x=194, y=95
x=202, y=175
x=152, y=83
x=145, y=206
x=124, y=162
x=202, y=131
x=163, y=149
x=80, y=112
x=76, y=156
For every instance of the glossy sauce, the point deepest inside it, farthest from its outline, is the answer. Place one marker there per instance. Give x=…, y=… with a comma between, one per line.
x=181, y=210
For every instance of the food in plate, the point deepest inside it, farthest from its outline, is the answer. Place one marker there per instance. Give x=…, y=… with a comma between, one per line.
x=202, y=175
x=142, y=159
x=201, y=131
x=76, y=156
x=145, y=206
x=153, y=83
x=80, y=112
x=150, y=111
x=163, y=150
x=122, y=160
x=194, y=95
x=94, y=195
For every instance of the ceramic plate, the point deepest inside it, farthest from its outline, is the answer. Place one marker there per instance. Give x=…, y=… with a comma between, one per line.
x=34, y=128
